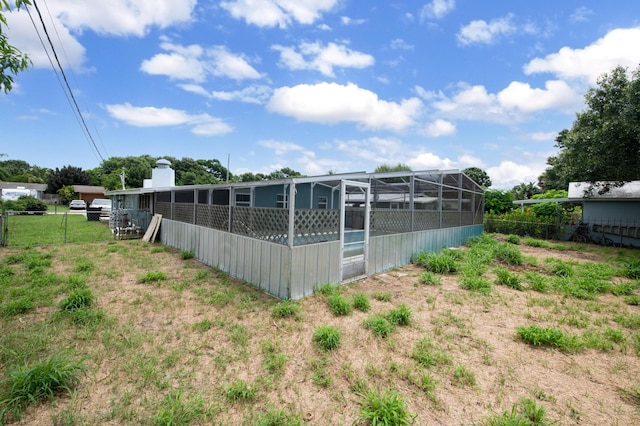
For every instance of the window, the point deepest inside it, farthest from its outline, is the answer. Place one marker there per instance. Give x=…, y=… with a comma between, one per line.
x=243, y=200
x=322, y=203
x=282, y=201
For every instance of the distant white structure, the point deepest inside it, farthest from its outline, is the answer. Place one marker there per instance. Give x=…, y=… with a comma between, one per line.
x=163, y=176
x=12, y=194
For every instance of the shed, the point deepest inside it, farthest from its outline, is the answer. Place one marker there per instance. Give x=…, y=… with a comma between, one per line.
x=616, y=212
x=289, y=236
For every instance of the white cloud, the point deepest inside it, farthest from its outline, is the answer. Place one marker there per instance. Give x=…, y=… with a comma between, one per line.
x=256, y=94
x=617, y=48
x=483, y=32
x=581, y=14
x=194, y=63
x=22, y=35
x=509, y=173
x=332, y=103
x=511, y=104
x=543, y=136
x=556, y=94
x=345, y=20
x=201, y=124
x=430, y=161
x=400, y=44
x=280, y=13
x=440, y=127
x=437, y=9
x=282, y=148
x=374, y=149
x=315, y=56
x=227, y=64
x=122, y=17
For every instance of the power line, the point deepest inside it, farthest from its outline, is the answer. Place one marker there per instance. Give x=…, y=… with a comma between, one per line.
x=84, y=123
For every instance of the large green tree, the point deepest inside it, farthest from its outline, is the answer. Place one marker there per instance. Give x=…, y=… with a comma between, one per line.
x=66, y=176
x=12, y=61
x=479, y=176
x=603, y=144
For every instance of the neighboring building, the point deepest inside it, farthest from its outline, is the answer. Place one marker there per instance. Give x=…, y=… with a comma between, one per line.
x=615, y=213
x=13, y=190
x=289, y=236
x=89, y=193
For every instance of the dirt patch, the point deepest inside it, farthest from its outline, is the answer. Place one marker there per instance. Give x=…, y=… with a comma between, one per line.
x=199, y=332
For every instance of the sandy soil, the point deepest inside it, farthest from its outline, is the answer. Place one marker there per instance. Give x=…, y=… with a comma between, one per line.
x=152, y=347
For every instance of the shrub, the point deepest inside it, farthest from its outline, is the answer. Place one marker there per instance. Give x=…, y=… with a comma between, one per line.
x=327, y=337
x=361, y=302
x=339, y=305
x=40, y=381
x=384, y=408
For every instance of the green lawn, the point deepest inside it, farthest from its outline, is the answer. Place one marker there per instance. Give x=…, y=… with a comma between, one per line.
x=30, y=230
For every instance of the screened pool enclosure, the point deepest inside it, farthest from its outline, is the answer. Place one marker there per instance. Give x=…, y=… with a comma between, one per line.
x=289, y=236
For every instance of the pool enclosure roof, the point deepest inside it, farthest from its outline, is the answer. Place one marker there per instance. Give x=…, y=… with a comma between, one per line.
x=392, y=182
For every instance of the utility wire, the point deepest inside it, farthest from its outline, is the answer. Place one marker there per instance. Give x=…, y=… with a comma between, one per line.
x=55, y=71
x=84, y=123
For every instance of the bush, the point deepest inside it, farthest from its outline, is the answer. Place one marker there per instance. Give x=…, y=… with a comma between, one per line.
x=523, y=224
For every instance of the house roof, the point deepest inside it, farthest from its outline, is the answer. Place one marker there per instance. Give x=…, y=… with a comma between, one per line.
x=89, y=189
x=25, y=185
x=588, y=190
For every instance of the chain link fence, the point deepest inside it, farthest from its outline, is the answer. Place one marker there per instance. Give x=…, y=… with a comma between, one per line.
x=23, y=229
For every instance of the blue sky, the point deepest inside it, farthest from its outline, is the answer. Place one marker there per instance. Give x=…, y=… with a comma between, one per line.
x=314, y=85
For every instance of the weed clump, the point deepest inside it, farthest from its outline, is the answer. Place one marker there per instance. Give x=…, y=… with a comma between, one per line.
x=78, y=299
x=286, y=309
x=525, y=413
x=384, y=408
x=240, y=391
x=339, y=305
x=399, y=316
x=379, y=325
x=361, y=302
x=508, y=279
x=550, y=337
x=40, y=381
x=429, y=278
x=447, y=261
x=152, y=277
x=327, y=337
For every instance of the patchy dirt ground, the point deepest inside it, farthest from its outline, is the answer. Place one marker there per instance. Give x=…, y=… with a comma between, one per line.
x=197, y=333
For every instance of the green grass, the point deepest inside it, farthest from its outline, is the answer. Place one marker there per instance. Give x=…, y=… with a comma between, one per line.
x=42, y=380
x=327, y=337
x=152, y=277
x=382, y=296
x=384, y=408
x=177, y=409
x=274, y=359
x=286, y=309
x=275, y=417
x=187, y=254
x=339, y=305
x=508, y=279
x=463, y=376
x=77, y=299
x=360, y=301
x=240, y=391
x=445, y=262
x=549, y=337
x=399, y=316
x=32, y=230
x=525, y=413
x=429, y=278
x=428, y=355
x=379, y=325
